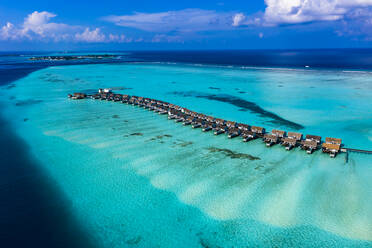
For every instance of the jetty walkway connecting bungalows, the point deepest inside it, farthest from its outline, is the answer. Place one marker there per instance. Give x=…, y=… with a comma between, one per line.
x=289, y=140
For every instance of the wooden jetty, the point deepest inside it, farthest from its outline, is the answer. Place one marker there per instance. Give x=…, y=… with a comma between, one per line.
x=289, y=140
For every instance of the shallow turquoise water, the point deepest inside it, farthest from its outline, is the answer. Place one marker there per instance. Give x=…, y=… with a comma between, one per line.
x=137, y=179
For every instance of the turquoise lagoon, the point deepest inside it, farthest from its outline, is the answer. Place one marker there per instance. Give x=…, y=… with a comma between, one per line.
x=136, y=179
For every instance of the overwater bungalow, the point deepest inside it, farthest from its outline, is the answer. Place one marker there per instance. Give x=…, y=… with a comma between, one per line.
x=275, y=137
x=279, y=133
x=332, y=146
x=270, y=139
x=103, y=97
x=230, y=124
x=201, y=116
x=197, y=123
x=219, y=129
x=248, y=135
x=117, y=97
x=176, y=107
x=185, y=111
x=166, y=105
x=259, y=131
x=77, y=96
x=162, y=110
x=96, y=96
x=149, y=106
x=156, y=108
x=207, y=126
x=181, y=117
x=243, y=127
x=110, y=97
x=311, y=143
x=124, y=98
x=188, y=120
x=219, y=121
x=209, y=118
x=233, y=132
x=292, y=140
x=172, y=114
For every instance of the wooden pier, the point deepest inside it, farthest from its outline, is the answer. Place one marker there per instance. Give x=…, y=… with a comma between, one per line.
x=289, y=140
x=357, y=150
x=348, y=150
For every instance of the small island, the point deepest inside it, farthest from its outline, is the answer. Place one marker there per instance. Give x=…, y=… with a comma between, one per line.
x=73, y=57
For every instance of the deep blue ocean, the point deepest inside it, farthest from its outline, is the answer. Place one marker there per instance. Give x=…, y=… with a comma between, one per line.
x=33, y=214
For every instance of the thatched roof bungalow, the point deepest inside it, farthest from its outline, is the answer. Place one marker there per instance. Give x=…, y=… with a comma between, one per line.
x=77, y=96
x=332, y=146
x=270, y=139
x=278, y=133
x=258, y=130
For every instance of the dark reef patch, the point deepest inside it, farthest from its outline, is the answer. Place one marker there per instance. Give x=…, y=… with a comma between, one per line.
x=183, y=143
x=10, y=86
x=232, y=154
x=214, y=88
x=241, y=92
x=115, y=117
x=27, y=102
x=133, y=134
x=136, y=134
x=134, y=241
x=25, y=119
x=160, y=137
x=243, y=104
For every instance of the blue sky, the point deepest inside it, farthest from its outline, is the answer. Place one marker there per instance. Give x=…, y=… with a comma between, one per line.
x=207, y=24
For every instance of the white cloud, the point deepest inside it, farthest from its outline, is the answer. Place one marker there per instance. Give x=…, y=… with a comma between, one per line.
x=187, y=20
x=350, y=17
x=121, y=38
x=167, y=38
x=238, y=19
x=8, y=32
x=38, y=26
x=301, y=11
x=90, y=36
